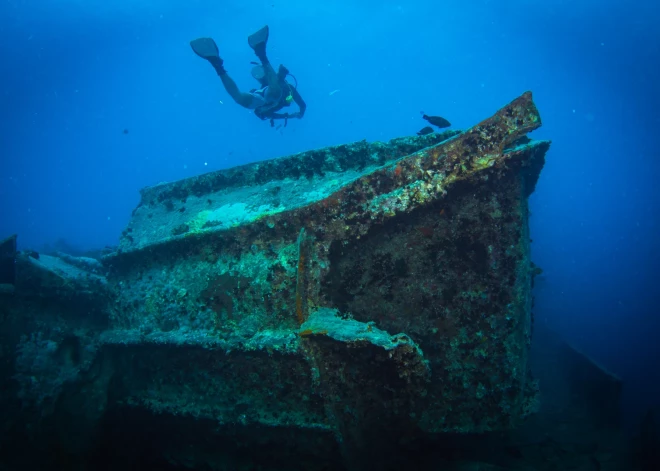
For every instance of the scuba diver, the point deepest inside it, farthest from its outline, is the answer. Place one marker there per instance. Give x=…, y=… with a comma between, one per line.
x=275, y=92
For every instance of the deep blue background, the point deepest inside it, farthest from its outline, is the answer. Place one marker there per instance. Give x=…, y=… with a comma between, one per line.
x=75, y=74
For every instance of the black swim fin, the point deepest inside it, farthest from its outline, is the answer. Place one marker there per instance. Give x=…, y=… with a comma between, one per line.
x=205, y=48
x=258, y=40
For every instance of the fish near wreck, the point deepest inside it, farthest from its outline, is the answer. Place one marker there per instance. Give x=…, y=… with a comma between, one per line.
x=425, y=130
x=345, y=296
x=437, y=121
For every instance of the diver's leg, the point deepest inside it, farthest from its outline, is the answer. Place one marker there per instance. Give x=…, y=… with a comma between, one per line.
x=207, y=49
x=257, y=42
x=274, y=91
x=243, y=99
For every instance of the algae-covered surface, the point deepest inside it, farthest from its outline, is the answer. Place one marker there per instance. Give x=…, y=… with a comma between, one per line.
x=230, y=198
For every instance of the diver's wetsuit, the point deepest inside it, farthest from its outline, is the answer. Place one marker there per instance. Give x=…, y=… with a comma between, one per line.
x=274, y=91
x=272, y=111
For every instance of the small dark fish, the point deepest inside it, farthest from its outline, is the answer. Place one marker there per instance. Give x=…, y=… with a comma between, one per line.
x=425, y=131
x=437, y=121
x=125, y=131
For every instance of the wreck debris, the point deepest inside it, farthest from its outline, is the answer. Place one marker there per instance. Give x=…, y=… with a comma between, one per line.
x=429, y=241
x=354, y=291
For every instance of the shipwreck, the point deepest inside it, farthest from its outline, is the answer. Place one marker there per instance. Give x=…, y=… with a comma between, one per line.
x=343, y=299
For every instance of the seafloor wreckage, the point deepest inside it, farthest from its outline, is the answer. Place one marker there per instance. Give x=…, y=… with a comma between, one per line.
x=341, y=299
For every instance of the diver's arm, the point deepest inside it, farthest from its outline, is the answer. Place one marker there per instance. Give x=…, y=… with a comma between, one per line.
x=279, y=116
x=300, y=102
x=299, y=114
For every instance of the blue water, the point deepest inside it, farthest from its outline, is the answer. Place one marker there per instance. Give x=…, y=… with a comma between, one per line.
x=76, y=74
